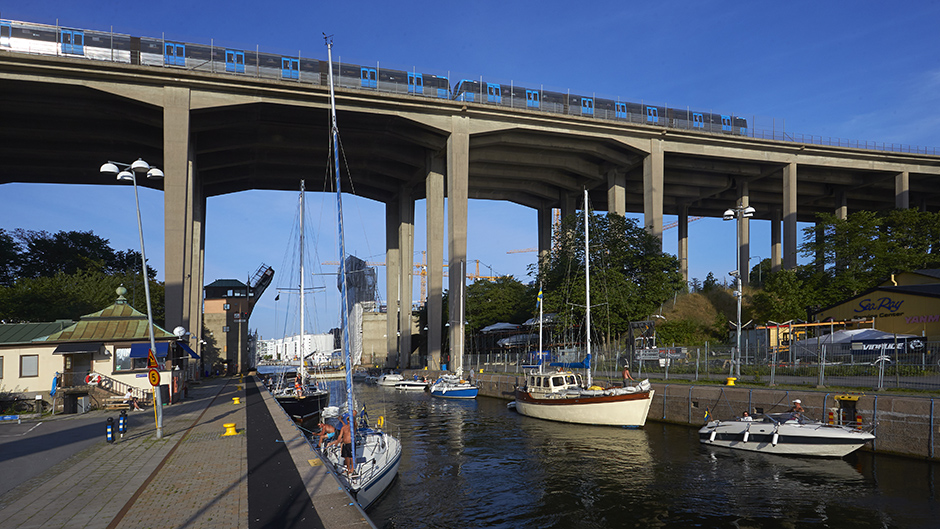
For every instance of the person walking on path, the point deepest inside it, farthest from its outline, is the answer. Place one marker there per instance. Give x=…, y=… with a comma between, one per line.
x=626, y=375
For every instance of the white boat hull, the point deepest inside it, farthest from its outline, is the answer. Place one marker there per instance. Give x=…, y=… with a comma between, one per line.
x=789, y=438
x=381, y=454
x=629, y=410
x=389, y=380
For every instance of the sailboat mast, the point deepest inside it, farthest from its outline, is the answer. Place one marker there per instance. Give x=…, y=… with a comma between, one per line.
x=540, y=360
x=344, y=303
x=587, y=287
x=303, y=366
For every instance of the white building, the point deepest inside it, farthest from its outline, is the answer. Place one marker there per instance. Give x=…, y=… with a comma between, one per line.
x=289, y=349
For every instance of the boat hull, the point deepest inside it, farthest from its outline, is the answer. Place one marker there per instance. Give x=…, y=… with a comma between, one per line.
x=389, y=380
x=411, y=385
x=382, y=454
x=305, y=411
x=793, y=439
x=629, y=410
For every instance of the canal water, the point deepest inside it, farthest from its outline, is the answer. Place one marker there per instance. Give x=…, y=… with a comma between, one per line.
x=477, y=464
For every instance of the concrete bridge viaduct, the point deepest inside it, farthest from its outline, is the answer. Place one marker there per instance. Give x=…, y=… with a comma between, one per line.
x=214, y=134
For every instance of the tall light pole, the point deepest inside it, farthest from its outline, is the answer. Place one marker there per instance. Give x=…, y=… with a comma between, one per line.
x=141, y=167
x=738, y=212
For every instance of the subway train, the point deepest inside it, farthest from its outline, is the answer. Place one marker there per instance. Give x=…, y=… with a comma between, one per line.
x=27, y=37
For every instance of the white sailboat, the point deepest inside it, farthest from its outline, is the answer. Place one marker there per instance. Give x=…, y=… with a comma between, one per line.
x=454, y=386
x=376, y=454
x=566, y=397
x=304, y=400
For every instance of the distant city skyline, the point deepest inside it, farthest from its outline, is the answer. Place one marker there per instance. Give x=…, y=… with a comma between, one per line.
x=865, y=73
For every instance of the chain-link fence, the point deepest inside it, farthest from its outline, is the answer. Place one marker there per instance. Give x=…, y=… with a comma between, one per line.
x=873, y=366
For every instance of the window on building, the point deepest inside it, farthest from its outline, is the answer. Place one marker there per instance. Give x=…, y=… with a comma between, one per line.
x=226, y=306
x=225, y=329
x=1, y=368
x=29, y=366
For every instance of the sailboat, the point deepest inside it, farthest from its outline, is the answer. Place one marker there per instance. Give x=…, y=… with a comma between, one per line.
x=449, y=386
x=304, y=400
x=376, y=454
x=567, y=397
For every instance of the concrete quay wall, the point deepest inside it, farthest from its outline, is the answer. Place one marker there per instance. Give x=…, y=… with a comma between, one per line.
x=904, y=425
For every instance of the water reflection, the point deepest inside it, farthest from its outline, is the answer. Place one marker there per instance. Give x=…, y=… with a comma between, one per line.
x=476, y=464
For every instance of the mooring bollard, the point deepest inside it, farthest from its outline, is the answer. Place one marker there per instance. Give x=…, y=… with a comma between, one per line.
x=229, y=429
x=122, y=423
x=110, y=430
x=731, y=381
x=236, y=400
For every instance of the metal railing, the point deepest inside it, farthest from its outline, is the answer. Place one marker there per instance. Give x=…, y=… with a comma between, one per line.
x=839, y=365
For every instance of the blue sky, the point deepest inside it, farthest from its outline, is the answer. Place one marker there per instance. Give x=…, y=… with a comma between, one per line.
x=868, y=71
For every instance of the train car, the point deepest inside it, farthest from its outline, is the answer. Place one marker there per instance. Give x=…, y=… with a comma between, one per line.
x=44, y=39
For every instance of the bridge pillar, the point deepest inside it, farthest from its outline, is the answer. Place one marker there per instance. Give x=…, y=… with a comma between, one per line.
x=653, y=190
x=616, y=191
x=841, y=213
x=744, y=233
x=789, y=216
x=568, y=203
x=902, y=190
x=458, y=173
x=392, y=280
x=683, y=246
x=544, y=233
x=182, y=202
x=406, y=237
x=775, y=219
x=434, y=185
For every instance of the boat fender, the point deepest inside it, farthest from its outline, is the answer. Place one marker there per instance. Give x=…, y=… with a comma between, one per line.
x=380, y=422
x=711, y=438
x=747, y=433
x=775, y=438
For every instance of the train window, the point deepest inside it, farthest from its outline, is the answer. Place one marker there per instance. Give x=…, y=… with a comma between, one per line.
x=620, y=110
x=652, y=115
x=726, y=123
x=532, y=99
x=174, y=54
x=494, y=93
x=234, y=61
x=415, y=83
x=587, y=106
x=6, y=33
x=368, y=76
x=698, y=120
x=73, y=42
x=290, y=68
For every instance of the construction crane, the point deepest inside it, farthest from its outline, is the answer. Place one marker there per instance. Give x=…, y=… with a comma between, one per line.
x=675, y=223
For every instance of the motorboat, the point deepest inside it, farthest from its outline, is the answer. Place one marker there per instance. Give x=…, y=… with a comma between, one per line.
x=412, y=385
x=785, y=434
x=389, y=379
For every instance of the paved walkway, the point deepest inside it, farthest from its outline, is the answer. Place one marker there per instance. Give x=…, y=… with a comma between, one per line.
x=194, y=477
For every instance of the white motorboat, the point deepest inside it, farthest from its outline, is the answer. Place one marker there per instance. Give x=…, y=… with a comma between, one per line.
x=374, y=454
x=412, y=385
x=453, y=387
x=389, y=379
x=785, y=434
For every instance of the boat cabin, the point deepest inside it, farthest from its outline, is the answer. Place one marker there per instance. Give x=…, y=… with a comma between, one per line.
x=559, y=381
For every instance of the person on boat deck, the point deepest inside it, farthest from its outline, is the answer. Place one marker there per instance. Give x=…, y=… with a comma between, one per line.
x=131, y=400
x=327, y=433
x=626, y=375
x=797, y=410
x=345, y=439
x=746, y=417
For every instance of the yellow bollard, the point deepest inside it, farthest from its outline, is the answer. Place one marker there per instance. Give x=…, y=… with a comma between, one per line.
x=239, y=388
x=236, y=400
x=730, y=381
x=229, y=429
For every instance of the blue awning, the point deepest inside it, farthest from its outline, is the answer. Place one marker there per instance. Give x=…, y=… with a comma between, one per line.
x=140, y=350
x=188, y=350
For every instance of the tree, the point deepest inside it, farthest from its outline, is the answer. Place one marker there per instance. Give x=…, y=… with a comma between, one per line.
x=630, y=274
x=784, y=297
x=10, y=258
x=48, y=254
x=504, y=300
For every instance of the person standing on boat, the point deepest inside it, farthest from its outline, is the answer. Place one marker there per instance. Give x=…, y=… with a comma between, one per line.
x=345, y=439
x=797, y=407
x=746, y=417
x=626, y=375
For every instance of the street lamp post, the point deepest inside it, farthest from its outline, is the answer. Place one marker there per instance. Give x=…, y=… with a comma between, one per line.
x=738, y=212
x=141, y=167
